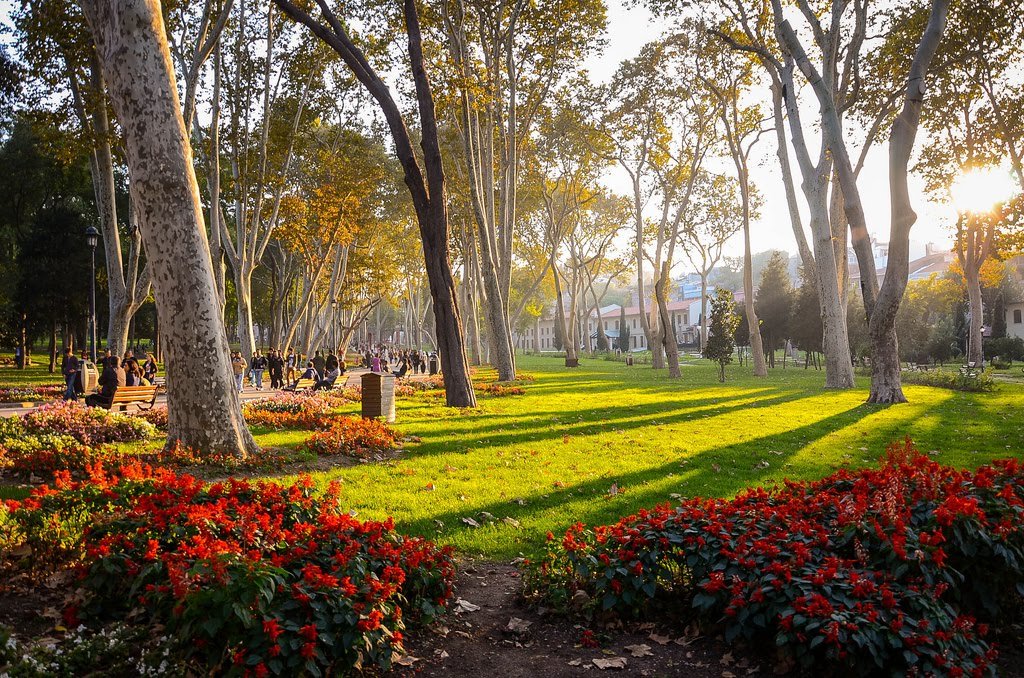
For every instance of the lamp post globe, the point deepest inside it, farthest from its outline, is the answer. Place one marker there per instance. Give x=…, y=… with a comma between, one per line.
x=92, y=236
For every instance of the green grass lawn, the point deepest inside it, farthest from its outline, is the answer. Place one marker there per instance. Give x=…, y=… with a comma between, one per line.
x=37, y=374
x=549, y=458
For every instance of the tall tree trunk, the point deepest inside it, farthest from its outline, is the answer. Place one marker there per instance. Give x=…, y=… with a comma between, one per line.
x=243, y=308
x=204, y=411
x=753, y=325
x=703, y=309
x=788, y=183
x=426, y=184
x=835, y=337
x=885, y=363
x=560, y=316
x=975, y=336
x=668, y=330
x=53, y=347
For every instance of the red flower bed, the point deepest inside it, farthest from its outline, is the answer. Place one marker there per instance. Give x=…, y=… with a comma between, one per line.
x=42, y=455
x=890, y=568
x=289, y=410
x=501, y=390
x=251, y=578
x=353, y=437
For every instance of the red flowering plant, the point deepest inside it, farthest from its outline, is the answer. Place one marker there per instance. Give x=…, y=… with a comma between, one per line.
x=896, y=567
x=289, y=410
x=264, y=458
x=253, y=578
x=353, y=437
x=501, y=389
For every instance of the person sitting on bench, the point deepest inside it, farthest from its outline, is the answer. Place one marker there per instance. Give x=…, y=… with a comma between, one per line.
x=310, y=373
x=327, y=383
x=403, y=369
x=110, y=380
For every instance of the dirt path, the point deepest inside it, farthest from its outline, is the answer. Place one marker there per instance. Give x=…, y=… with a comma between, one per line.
x=504, y=639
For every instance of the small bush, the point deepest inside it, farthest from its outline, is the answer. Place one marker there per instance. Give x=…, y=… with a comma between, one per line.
x=1006, y=348
x=353, y=437
x=248, y=578
x=975, y=382
x=157, y=416
x=289, y=410
x=888, y=569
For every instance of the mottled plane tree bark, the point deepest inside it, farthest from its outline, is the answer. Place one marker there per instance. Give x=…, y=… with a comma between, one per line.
x=204, y=411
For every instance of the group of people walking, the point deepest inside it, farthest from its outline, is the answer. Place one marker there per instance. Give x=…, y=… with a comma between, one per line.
x=381, y=358
x=284, y=370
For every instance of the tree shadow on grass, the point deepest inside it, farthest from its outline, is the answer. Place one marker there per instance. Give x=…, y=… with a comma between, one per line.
x=590, y=502
x=547, y=425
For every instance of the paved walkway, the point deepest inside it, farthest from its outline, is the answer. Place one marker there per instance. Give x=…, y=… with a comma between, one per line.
x=353, y=377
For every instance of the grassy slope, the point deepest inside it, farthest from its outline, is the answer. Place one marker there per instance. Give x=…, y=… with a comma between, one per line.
x=560, y=447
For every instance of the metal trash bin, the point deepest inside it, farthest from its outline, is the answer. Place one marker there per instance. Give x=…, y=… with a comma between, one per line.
x=378, y=396
x=88, y=378
x=434, y=364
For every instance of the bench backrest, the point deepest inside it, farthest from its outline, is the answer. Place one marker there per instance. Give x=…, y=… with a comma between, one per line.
x=133, y=393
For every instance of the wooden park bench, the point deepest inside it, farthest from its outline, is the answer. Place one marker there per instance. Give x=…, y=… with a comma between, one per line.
x=143, y=397
x=302, y=385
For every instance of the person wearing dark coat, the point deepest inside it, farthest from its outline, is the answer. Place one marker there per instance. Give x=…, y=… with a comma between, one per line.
x=276, y=364
x=110, y=380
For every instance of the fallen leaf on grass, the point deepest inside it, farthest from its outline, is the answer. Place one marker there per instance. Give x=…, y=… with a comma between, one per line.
x=762, y=464
x=614, y=490
x=716, y=467
x=612, y=663
x=726, y=659
x=510, y=521
x=469, y=521
x=642, y=650
x=429, y=487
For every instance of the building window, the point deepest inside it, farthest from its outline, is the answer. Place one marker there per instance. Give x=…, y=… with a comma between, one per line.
x=1016, y=316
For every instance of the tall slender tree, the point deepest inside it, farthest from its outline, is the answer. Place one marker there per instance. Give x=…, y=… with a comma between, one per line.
x=204, y=411
x=426, y=181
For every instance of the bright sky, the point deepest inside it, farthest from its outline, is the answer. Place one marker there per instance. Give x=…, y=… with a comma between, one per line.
x=629, y=28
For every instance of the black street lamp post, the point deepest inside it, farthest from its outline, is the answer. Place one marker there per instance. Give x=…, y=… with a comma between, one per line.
x=91, y=238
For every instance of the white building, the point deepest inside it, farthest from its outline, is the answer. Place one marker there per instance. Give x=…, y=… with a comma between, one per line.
x=1015, y=319
x=685, y=316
